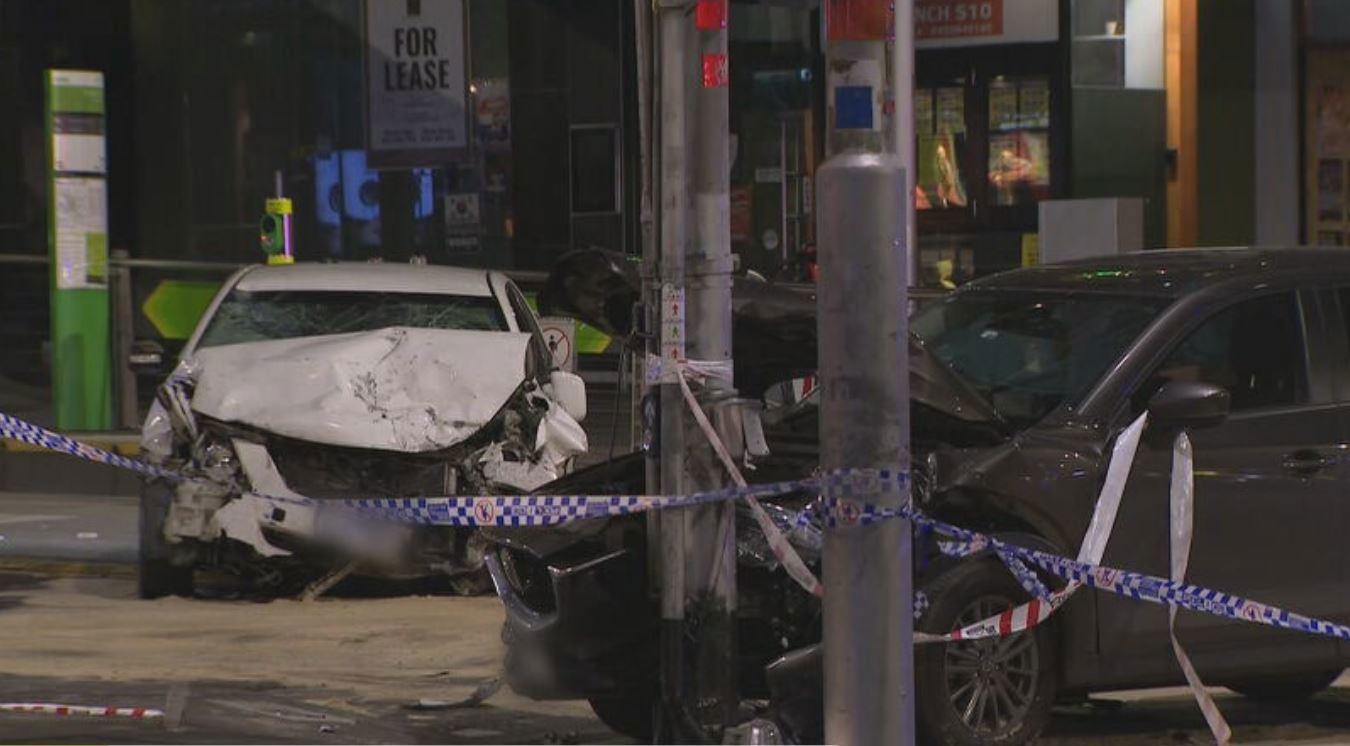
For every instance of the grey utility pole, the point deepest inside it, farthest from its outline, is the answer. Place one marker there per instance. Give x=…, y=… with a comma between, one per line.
x=864, y=362
x=710, y=538
x=697, y=557
x=672, y=136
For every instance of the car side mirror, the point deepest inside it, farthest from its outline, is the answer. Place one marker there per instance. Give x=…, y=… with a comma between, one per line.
x=1188, y=404
x=569, y=390
x=146, y=359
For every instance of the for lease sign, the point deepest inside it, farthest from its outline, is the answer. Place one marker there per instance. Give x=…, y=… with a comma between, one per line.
x=415, y=83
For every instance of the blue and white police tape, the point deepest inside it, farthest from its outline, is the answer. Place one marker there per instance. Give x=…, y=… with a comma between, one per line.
x=26, y=432
x=548, y=510
x=838, y=508
x=1134, y=585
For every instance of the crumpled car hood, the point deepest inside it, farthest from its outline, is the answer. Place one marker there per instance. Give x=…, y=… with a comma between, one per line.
x=397, y=389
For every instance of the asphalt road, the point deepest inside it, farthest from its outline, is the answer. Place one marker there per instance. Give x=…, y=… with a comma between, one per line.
x=346, y=670
x=86, y=528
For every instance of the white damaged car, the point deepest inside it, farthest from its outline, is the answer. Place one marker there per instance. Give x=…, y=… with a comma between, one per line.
x=342, y=381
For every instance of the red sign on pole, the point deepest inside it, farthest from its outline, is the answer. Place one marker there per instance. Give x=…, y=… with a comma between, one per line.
x=714, y=71
x=860, y=20
x=710, y=15
x=950, y=19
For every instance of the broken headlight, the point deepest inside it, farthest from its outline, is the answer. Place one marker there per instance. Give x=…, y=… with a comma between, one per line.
x=213, y=455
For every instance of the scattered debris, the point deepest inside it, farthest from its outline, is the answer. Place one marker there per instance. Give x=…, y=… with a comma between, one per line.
x=477, y=697
x=431, y=704
x=327, y=729
x=312, y=717
x=175, y=703
x=326, y=583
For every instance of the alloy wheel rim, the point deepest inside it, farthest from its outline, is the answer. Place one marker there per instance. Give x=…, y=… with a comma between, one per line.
x=991, y=683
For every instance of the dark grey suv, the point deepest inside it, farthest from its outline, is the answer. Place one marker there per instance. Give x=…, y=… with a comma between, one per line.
x=1021, y=382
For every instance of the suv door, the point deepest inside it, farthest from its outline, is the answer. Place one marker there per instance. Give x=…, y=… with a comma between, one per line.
x=1270, y=505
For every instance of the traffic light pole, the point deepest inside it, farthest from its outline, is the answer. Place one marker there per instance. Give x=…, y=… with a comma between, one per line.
x=697, y=544
x=710, y=560
x=672, y=136
x=863, y=335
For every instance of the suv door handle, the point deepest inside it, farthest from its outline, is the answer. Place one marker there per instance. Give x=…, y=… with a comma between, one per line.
x=1305, y=462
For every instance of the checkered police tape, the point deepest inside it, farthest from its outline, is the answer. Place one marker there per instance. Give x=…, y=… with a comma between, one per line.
x=26, y=432
x=1127, y=583
x=839, y=490
x=548, y=510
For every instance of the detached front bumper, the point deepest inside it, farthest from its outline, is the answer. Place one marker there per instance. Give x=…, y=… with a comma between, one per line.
x=576, y=626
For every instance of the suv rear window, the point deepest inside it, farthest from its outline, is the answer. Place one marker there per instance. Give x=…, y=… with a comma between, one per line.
x=257, y=316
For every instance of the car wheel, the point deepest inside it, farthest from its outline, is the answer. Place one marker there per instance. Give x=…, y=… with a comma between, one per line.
x=627, y=716
x=156, y=579
x=158, y=575
x=1288, y=688
x=983, y=692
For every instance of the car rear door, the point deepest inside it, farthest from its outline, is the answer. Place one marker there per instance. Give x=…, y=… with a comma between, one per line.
x=1270, y=496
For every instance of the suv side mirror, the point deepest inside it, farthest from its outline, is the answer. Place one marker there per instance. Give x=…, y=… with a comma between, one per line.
x=569, y=390
x=146, y=359
x=1188, y=404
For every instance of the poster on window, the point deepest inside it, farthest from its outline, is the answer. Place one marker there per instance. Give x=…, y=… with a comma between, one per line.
x=1003, y=106
x=492, y=113
x=951, y=111
x=1033, y=103
x=1019, y=167
x=939, y=184
x=1327, y=107
x=923, y=111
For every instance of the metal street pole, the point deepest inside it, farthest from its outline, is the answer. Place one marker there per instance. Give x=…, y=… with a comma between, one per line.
x=902, y=86
x=864, y=362
x=710, y=550
x=672, y=136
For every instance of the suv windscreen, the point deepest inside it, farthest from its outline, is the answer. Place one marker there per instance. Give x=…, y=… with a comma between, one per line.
x=1028, y=351
x=246, y=316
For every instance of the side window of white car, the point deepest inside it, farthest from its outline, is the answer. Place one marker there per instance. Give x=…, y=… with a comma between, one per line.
x=525, y=319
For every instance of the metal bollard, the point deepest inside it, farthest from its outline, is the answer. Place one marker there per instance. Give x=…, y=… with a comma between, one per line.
x=864, y=423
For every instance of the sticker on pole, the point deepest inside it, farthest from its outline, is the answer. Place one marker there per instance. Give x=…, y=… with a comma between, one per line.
x=561, y=335
x=672, y=332
x=714, y=71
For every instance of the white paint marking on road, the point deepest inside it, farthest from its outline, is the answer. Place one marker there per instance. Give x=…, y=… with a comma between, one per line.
x=6, y=520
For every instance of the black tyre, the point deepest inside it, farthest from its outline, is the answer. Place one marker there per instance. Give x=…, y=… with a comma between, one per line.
x=157, y=579
x=1285, y=688
x=627, y=716
x=990, y=692
x=164, y=569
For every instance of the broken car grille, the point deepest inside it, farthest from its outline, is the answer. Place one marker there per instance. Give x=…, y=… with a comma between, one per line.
x=327, y=472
